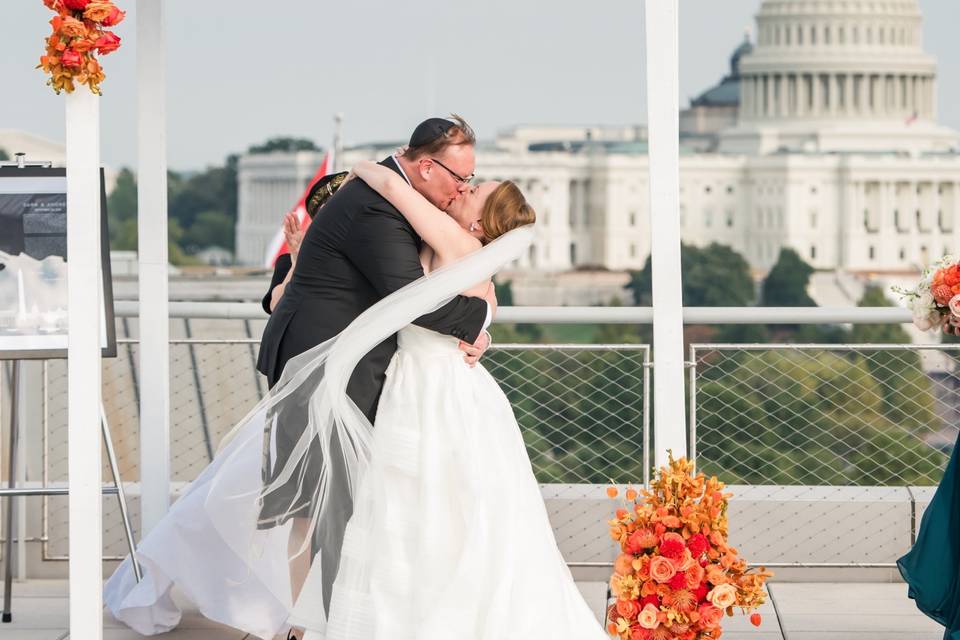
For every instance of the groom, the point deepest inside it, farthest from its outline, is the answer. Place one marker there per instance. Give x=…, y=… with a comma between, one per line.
x=358, y=250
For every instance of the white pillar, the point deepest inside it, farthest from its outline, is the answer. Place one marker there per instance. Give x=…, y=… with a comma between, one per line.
x=817, y=109
x=863, y=108
x=83, y=363
x=746, y=97
x=848, y=94
x=663, y=107
x=152, y=232
x=914, y=104
x=768, y=110
x=801, y=94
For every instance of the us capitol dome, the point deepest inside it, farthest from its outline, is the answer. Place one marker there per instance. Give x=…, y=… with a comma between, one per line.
x=838, y=75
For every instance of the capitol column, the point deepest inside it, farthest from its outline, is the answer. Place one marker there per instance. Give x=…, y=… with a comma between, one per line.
x=746, y=97
x=817, y=108
x=863, y=89
x=781, y=94
x=801, y=94
x=833, y=93
x=848, y=94
x=768, y=82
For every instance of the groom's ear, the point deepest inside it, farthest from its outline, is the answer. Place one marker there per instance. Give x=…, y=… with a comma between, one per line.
x=424, y=168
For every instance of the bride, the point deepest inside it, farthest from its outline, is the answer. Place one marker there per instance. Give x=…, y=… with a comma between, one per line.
x=449, y=536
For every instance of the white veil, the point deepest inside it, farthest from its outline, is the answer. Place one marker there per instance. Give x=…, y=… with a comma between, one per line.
x=314, y=384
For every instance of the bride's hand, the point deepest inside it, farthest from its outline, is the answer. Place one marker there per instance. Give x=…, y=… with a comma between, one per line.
x=292, y=233
x=473, y=352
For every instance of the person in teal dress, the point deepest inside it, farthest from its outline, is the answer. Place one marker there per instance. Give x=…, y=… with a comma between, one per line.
x=932, y=567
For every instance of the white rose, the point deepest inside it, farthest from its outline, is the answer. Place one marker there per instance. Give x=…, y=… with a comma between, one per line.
x=925, y=301
x=954, y=305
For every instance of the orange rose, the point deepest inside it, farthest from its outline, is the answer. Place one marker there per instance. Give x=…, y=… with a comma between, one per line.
x=97, y=10
x=723, y=596
x=624, y=564
x=628, y=608
x=71, y=58
x=107, y=43
x=72, y=28
x=710, y=616
x=661, y=569
x=648, y=618
x=695, y=575
x=116, y=17
x=76, y=5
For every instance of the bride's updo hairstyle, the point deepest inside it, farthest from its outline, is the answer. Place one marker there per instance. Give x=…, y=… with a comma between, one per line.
x=505, y=210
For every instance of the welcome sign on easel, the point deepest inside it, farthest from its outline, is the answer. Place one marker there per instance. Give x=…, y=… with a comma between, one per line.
x=33, y=265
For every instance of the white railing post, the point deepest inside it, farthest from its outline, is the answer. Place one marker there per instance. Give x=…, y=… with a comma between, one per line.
x=83, y=363
x=663, y=106
x=154, y=325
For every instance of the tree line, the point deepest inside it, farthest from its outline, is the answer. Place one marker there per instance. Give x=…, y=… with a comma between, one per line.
x=202, y=205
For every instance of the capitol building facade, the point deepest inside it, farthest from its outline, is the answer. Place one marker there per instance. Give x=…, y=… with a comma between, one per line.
x=823, y=137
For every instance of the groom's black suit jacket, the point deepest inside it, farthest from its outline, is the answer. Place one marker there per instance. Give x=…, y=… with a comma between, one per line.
x=357, y=250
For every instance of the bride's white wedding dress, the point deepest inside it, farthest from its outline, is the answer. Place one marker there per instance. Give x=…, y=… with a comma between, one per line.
x=449, y=536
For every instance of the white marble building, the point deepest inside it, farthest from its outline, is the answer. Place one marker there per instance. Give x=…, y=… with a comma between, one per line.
x=823, y=137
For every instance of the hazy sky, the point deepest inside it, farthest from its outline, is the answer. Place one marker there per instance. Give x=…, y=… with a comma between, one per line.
x=240, y=72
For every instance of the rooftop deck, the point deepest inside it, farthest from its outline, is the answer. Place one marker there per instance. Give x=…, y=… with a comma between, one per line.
x=796, y=611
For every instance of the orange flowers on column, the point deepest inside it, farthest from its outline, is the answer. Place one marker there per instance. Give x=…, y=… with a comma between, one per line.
x=676, y=576
x=79, y=36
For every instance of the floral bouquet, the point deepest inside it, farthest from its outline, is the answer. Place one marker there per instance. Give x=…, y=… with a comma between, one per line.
x=935, y=301
x=78, y=37
x=676, y=576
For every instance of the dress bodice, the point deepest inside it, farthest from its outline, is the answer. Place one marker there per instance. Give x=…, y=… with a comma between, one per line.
x=419, y=341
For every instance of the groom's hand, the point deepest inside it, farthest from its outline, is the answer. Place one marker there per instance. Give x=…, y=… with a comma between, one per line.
x=476, y=350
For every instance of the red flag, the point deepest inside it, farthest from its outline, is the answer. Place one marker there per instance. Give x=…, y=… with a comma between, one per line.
x=278, y=246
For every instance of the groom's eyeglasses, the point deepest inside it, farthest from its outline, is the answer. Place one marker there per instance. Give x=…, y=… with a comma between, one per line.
x=456, y=176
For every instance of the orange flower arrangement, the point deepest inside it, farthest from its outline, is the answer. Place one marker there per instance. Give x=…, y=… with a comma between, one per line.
x=676, y=576
x=935, y=301
x=79, y=36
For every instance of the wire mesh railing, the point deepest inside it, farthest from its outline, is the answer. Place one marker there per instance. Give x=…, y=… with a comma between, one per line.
x=582, y=410
x=834, y=444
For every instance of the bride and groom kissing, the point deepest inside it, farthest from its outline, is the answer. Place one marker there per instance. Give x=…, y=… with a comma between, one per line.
x=431, y=525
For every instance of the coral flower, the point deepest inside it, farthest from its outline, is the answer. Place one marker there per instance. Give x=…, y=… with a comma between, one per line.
x=116, y=17
x=710, y=616
x=723, y=596
x=661, y=569
x=649, y=617
x=623, y=564
x=71, y=58
x=672, y=545
x=698, y=544
x=628, y=608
